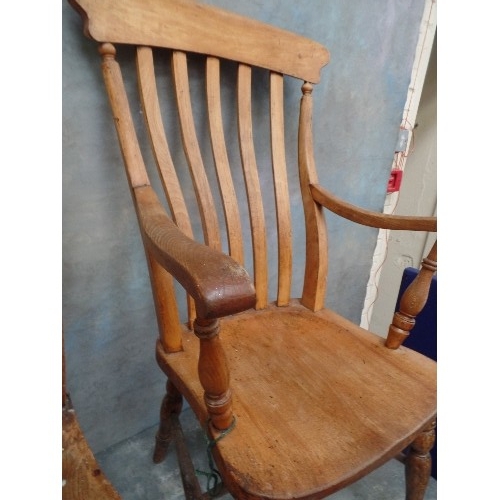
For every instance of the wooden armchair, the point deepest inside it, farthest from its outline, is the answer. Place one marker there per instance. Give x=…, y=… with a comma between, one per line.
x=297, y=401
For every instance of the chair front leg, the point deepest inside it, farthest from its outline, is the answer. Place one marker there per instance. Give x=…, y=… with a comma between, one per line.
x=418, y=463
x=172, y=403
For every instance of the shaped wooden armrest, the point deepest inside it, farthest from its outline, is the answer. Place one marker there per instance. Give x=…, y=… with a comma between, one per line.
x=369, y=218
x=219, y=286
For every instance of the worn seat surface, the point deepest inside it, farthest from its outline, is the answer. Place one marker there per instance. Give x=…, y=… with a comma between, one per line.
x=301, y=378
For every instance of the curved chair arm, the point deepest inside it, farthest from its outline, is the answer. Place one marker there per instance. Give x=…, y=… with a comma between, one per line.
x=369, y=218
x=218, y=285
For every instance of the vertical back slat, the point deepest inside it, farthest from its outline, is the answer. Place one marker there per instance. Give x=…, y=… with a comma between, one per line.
x=193, y=155
x=152, y=114
x=283, y=219
x=255, y=206
x=228, y=195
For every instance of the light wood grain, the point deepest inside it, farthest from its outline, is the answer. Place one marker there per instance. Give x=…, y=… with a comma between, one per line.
x=282, y=198
x=312, y=401
x=168, y=175
x=167, y=312
x=316, y=268
x=318, y=400
x=131, y=152
x=223, y=169
x=370, y=218
x=203, y=192
x=190, y=26
x=161, y=151
x=252, y=184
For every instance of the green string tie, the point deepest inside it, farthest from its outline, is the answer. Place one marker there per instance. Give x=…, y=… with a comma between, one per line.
x=214, y=479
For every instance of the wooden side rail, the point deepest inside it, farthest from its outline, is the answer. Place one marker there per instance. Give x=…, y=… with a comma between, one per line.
x=193, y=27
x=369, y=218
x=217, y=283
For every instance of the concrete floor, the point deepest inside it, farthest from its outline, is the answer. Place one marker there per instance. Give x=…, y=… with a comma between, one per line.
x=128, y=465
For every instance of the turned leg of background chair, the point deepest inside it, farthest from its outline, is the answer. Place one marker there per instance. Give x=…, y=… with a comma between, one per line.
x=172, y=403
x=418, y=464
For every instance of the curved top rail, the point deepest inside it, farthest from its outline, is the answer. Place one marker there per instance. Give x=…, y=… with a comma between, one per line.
x=188, y=26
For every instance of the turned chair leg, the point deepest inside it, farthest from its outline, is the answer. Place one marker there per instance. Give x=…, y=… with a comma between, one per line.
x=172, y=403
x=418, y=464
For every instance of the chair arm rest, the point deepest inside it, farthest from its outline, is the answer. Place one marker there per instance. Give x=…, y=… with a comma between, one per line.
x=369, y=218
x=218, y=284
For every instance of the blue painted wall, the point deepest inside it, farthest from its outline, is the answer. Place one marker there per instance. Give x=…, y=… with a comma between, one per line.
x=108, y=314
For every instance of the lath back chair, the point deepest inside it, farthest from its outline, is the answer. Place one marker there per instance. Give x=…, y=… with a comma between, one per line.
x=298, y=401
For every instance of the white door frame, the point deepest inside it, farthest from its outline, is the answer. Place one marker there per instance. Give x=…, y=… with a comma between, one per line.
x=421, y=60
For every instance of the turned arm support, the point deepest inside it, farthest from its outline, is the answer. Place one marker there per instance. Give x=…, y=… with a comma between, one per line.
x=219, y=286
x=369, y=218
x=412, y=301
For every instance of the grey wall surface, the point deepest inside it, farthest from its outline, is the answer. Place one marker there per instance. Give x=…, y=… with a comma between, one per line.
x=108, y=316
